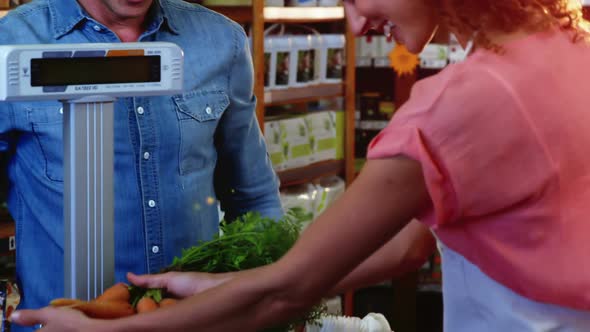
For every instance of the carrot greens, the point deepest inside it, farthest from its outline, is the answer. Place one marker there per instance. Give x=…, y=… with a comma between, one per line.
x=250, y=241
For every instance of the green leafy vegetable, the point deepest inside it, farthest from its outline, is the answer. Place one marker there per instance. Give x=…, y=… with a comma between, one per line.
x=249, y=242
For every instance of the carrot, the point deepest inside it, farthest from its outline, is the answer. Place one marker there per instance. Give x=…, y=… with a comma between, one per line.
x=64, y=302
x=146, y=304
x=168, y=302
x=105, y=310
x=118, y=292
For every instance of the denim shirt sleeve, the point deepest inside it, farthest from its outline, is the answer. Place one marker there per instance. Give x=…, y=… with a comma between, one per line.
x=6, y=109
x=6, y=124
x=245, y=180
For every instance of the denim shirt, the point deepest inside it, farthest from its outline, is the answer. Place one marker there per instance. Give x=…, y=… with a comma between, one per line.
x=175, y=156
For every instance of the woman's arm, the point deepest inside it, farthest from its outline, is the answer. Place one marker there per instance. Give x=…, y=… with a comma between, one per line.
x=385, y=197
x=406, y=252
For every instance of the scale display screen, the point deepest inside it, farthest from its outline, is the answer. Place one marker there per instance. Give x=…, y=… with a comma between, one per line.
x=95, y=70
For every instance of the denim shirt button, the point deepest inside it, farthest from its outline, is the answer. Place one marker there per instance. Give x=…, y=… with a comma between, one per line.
x=140, y=110
x=152, y=203
x=208, y=110
x=155, y=249
x=96, y=28
x=146, y=155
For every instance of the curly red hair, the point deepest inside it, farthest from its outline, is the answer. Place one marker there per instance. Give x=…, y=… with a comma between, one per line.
x=507, y=16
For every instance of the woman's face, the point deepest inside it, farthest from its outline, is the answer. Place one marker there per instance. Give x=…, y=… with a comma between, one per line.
x=412, y=22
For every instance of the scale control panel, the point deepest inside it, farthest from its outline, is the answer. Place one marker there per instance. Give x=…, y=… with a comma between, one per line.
x=72, y=71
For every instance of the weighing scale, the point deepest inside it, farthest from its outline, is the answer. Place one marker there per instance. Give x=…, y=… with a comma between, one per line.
x=86, y=79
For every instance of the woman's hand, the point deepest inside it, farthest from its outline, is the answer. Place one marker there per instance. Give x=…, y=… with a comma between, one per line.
x=180, y=284
x=56, y=320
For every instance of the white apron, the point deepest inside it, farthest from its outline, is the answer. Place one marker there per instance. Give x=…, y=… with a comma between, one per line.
x=473, y=302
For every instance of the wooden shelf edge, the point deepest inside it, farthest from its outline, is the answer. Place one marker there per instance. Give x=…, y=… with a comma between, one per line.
x=240, y=14
x=310, y=173
x=303, y=94
x=7, y=238
x=431, y=288
x=349, y=303
x=243, y=14
x=303, y=14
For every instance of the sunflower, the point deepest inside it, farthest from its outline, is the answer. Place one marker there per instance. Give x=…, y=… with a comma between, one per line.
x=402, y=61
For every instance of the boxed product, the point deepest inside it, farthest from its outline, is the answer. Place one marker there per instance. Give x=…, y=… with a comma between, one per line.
x=302, y=3
x=274, y=144
x=456, y=51
x=321, y=128
x=340, y=134
x=434, y=56
x=367, y=48
x=302, y=196
x=332, y=58
x=303, y=60
x=329, y=3
x=279, y=61
x=295, y=142
x=329, y=190
x=384, y=47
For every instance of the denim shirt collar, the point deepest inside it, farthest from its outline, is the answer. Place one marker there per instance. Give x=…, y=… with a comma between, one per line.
x=67, y=14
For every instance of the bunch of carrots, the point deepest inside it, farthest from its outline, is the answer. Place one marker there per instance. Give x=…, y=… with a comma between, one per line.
x=115, y=302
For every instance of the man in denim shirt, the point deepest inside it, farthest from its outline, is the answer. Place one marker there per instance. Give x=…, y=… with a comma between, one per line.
x=175, y=156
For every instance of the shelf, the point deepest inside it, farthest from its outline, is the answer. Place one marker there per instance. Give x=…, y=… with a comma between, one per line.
x=431, y=288
x=240, y=14
x=243, y=14
x=3, y=12
x=303, y=14
x=7, y=238
x=310, y=173
x=303, y=94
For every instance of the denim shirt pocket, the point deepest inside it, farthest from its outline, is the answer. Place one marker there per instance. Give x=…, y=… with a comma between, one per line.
x=198, y=114
x=47, y=125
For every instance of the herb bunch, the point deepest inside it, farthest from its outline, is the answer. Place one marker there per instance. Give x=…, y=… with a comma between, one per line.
x=250, y=241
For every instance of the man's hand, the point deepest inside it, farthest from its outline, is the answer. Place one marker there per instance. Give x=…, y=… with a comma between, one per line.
x=180, y=284
x=56, y=320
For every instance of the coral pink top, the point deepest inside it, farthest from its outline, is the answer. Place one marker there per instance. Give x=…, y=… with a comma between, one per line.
x=504, y=144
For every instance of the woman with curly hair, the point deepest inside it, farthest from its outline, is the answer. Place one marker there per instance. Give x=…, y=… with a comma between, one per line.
x=490, y=155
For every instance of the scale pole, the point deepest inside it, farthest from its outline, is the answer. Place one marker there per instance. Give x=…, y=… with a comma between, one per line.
x=89, y=246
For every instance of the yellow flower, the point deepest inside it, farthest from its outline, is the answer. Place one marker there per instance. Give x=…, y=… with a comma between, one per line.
x=402, y=61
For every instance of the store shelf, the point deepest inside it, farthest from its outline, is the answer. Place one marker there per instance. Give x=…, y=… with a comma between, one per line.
x=243, y=14
x=7, y=238
x=310, y=173
x=303, y=94
x=432, y=288
x=3, y=12
x=240, y=14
